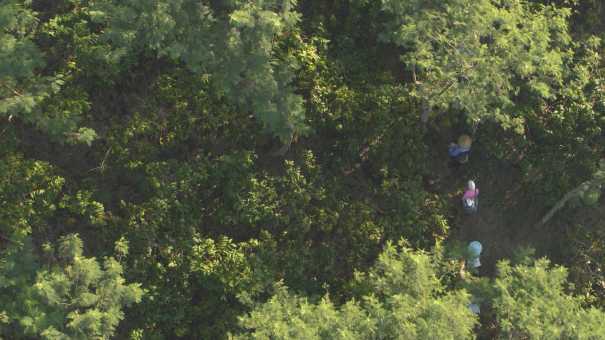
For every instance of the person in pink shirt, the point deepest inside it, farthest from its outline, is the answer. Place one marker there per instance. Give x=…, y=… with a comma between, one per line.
x=470, y=199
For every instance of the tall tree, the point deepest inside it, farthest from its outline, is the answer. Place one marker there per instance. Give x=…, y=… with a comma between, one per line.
x=532, y=302
x=23, y=84
x=72, y=297
x=20, y=87
x=488, y=58
x=402, y=299
x=233, y=44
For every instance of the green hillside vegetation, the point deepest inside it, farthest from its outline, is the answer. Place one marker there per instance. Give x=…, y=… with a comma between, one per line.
x=279, y=169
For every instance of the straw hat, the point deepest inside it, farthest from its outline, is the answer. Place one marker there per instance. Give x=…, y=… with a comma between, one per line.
x=465, y=141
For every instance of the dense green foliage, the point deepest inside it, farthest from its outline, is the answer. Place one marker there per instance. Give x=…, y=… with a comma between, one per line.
x=236, y=46
x=179, y=169
x=404, y=300
x=531, y=303
x=75, y=299
x=481, y=56
x=28, y=90
x=401, y=297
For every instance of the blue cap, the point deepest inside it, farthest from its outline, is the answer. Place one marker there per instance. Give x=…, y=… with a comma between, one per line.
x=475, y=248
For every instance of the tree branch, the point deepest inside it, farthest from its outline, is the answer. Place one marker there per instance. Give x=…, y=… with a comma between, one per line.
x=7, y=239
x=560, y=205
x=14, y=91
x=577, y=192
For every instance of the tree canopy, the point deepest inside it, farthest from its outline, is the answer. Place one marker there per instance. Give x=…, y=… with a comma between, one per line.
x=180, y=169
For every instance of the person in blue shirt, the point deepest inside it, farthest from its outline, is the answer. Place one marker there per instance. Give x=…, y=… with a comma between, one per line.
x=460, y=151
